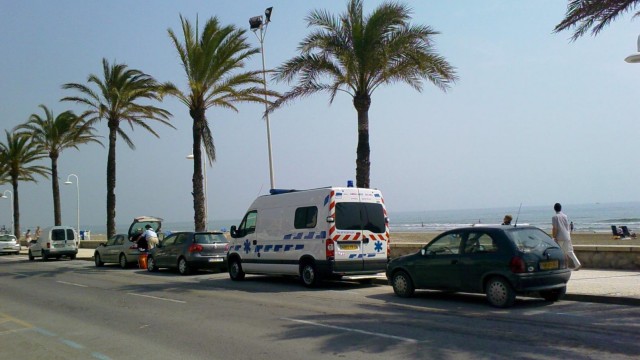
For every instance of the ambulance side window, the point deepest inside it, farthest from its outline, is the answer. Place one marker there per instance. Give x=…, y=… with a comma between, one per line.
x=306, y=217
x=248, y=224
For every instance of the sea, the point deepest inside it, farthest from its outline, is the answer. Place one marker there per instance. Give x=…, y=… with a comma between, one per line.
x=594, y=218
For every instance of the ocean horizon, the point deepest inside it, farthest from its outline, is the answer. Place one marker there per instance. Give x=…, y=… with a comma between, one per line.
x=595, y=218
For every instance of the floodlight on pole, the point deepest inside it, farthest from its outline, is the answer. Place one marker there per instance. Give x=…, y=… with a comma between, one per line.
x=68, y=182
x=256, y=23
x=4, y=196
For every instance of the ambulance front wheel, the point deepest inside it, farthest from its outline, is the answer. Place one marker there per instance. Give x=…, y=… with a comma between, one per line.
x=235, y=270
x=308, y=274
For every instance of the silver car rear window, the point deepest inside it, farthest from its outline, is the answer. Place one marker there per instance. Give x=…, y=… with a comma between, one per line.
x=210, y=238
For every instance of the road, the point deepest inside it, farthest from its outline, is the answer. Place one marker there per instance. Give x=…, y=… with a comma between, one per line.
x=73, y=310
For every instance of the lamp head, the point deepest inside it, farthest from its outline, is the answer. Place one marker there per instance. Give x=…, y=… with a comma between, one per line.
x=267, y=14
x=68, y=182
x=255, y=23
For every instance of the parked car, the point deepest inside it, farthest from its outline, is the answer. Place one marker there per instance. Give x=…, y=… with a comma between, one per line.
x=500, y=261
x=9, y=244
x=118, y=249
x=188, y=251
x=55, y=242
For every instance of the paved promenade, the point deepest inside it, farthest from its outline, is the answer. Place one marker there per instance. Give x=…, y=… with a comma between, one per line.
x=589, y=285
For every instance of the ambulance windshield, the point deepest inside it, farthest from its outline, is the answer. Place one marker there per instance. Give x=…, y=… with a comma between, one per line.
x=360, y=216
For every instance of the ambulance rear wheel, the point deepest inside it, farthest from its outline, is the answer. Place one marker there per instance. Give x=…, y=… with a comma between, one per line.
x=235, y=270
x=308, y=274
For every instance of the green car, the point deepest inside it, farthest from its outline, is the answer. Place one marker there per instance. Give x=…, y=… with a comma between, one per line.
x=497, y=260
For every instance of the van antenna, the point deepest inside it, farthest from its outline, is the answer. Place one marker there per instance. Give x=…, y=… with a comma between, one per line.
x=517, y=216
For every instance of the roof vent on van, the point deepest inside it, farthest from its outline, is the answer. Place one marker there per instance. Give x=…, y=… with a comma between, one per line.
x=281, y=191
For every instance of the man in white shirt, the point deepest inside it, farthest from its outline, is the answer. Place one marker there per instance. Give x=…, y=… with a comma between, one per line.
x=150, y=236
x=561, y=233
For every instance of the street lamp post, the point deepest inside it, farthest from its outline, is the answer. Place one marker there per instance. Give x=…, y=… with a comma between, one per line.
x=256, y=24
x=4, y=196
x=68, y=182
x=206, y=203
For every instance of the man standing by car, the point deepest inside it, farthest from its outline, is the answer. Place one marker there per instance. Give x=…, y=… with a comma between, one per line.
x=150, y=236
x=561, y=233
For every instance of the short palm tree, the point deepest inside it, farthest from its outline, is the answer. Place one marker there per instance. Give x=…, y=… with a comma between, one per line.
x=213, y=63
x=357, y=54
x=119, y=97
x=594, y=15
x=54, y=134
x=17, y=156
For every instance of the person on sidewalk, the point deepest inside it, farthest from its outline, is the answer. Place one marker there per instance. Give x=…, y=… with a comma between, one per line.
x=507, y=220
x=561, y=233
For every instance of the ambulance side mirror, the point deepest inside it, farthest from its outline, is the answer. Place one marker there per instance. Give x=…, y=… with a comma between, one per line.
x=233, y=231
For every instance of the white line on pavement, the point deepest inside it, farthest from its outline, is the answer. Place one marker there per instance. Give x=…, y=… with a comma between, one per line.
x=353, y=330
x=158, y=298
x=74, y=284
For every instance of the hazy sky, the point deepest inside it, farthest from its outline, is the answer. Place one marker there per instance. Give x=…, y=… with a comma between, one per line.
x=534, y=118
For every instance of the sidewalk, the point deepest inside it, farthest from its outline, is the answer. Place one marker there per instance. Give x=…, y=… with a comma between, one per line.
x=588, y=285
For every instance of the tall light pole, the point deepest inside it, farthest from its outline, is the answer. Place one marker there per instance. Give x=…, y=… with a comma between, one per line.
x=4, y=196
x=68, y=182
x=256, y=24
x=206, y=203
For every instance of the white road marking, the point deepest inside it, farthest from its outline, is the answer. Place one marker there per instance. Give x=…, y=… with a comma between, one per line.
x=353, y=330
x=74, y=284
x=158, y=298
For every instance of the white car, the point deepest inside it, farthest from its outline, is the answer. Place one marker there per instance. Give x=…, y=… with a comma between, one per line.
x=9, y=244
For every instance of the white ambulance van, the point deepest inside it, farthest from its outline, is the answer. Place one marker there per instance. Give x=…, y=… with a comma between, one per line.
x=319, y=233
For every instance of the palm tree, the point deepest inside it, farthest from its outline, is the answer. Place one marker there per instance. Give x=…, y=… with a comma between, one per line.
x=16, y=158
x=213, y=64
x=357, y=54
x=54, y=134
x=119, y=97
x=594, y=15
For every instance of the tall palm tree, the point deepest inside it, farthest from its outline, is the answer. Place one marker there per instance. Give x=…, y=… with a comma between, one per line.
x=16, y=158
x=594, y=15
x=213, y=63
x=357, y=54
x=54, y=134
x=120, y=96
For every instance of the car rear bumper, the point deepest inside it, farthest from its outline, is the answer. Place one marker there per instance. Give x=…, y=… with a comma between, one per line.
x=541, y=281
x=9, y=250
x=352, y=267
x=208, y=262
x=54, y=252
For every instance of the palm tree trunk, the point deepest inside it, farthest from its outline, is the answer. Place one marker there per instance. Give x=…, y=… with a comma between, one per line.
x=363, y=165
x=16, y=207
x=57, y=216
x=111, y=180
x=198, y=192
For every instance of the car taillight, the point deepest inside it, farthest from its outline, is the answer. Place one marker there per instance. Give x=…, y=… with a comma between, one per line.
x=133, y=247
x=389, y=247
x=331, y=250
x=226, y=247
x=517, y=265
x=195, y=248
x=48, y=245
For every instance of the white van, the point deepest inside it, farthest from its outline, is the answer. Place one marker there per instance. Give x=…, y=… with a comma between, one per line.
x=54, y=242
x=320, y=233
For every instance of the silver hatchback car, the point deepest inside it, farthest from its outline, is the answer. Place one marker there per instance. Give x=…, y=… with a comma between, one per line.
x=9, y=244
x=118, y=249
x=188, y=251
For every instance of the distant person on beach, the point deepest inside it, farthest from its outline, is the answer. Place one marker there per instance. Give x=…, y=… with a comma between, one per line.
x=38, y=232
x=571, y=227
x=507, y=220
x=27, y=236
x=561, y=233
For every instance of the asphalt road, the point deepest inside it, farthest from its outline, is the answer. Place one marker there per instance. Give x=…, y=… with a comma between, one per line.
x=73, y=310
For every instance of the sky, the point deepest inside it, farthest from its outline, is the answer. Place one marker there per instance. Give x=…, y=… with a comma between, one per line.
x=534, y=118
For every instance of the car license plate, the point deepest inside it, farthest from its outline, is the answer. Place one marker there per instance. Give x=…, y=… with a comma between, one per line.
x=216, y=260
x=349, y=247
x=549, y=265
